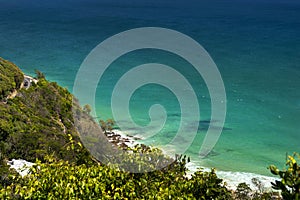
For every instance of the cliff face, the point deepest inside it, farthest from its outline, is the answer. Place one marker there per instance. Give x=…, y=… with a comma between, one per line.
x=11, y=78
x=37, y=121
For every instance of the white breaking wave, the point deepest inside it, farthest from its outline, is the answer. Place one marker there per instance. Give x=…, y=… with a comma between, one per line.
x=233, y=179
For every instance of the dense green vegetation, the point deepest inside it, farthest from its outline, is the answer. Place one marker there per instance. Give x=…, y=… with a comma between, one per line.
x=37, y=122
x=11, y=78
x=62, y=180
x=59, y=179
x=290, y=178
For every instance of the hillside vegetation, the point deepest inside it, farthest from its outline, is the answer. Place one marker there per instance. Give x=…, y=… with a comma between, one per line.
x=37, y=121
x=11, y=78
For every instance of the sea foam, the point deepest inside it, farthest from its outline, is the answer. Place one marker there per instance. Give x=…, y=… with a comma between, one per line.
x=233, y=179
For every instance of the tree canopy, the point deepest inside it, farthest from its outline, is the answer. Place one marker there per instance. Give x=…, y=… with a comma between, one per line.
x=11, y=78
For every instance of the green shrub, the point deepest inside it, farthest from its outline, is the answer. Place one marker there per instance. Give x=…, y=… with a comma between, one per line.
x=206, y=185
x=58, y=179
x=107, y=125
x=37, y=122
x=6, y=175
x=243, y=192
x=11, y=78
x=290, y=178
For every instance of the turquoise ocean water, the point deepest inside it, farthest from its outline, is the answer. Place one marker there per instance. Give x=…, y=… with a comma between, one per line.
x=255, y=44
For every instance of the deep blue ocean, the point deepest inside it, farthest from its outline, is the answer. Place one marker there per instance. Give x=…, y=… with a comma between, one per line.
x=255, y=44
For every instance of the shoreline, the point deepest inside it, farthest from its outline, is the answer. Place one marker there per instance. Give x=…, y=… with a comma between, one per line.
x=121, y=139
x=256, y=182
x=232, y=178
